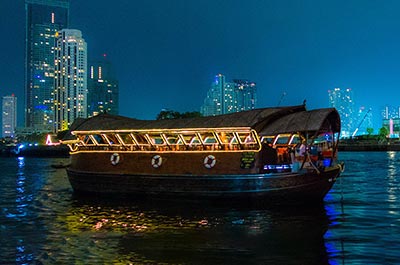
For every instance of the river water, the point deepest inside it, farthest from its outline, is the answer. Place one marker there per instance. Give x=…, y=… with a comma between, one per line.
x=42, y=222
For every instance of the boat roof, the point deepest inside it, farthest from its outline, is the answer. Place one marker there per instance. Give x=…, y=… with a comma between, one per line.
x=318, y=120
x=264, y=120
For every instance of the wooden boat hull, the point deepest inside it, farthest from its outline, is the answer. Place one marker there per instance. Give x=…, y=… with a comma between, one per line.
x=303, y=185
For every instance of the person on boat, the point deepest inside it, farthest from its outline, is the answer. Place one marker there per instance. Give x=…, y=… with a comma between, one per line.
x=268, y=156
x=300, y=151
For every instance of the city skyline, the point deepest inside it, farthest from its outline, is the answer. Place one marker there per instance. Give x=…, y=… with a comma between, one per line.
x=166, y=57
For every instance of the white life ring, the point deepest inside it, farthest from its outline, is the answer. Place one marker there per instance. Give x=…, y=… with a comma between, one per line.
x=114, y=159
x=209, y=161
x=156, y=161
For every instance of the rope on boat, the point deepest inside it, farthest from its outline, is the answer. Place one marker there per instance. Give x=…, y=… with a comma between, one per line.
x=308, y=158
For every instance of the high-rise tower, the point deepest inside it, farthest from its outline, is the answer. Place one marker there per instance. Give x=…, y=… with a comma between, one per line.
x=245, y=94
x=228, y=97
x=43, y=19
x=70, y=94
x=103, y=89
x=9, y=116
x=214, y=103
x=342, y=100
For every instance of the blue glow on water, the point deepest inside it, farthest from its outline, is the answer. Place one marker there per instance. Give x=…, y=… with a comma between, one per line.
x=42, y=222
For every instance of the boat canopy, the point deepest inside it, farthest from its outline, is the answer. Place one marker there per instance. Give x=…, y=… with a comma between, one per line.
x=265, y=121
x=311, y=122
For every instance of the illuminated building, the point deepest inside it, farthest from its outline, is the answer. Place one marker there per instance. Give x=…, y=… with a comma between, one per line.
x=228, y=97
x=213, y=103
x=393, y=127
x=9, y=116
x=70, y=94
x=391, y=121
x=245, y=94
x=342, y=100
x=103, y=89
x=390, y=112
x=43, y=19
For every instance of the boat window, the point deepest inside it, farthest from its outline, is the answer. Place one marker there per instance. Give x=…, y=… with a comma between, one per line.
x=209, y=138
x=267, y=139
x=126, y=138
x=283, y=139
x=156, y=139
x=173, y=139
x=296, y=139
x=191, y=139
x=88, y=140
x=195, y=141
x=140, y=139
x=180, y=140
x=246, y=138
x=234, y=141
x=113, y=140
x=227, y=138
x=100, y=140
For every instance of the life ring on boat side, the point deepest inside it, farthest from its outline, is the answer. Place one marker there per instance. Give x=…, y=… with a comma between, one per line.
x=209, y=161
x=156, y=161
x=114, y=159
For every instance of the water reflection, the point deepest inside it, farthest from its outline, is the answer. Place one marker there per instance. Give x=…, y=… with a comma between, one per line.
x=392, y=186
x=21, y=210
x=367, y=218
x=41, y=222
x=149, y=232
x=334, y=245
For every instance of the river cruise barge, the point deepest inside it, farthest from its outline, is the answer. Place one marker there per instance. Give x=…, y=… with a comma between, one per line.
x=274, y=153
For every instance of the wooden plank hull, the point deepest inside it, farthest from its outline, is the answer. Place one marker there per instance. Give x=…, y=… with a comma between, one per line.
x=185, y=175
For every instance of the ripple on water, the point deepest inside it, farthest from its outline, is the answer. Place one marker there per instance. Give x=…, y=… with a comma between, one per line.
x=41, y=221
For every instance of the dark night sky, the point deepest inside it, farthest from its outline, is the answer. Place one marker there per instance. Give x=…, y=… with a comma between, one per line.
x=166, y=53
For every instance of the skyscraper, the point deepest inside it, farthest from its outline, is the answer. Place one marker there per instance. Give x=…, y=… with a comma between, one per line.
x=228, y=97
x=103, y=89
x=245, y=94
x=342, y=100
x=43, y=19
x=9, y=116
x=70, y=95
x=213, y=103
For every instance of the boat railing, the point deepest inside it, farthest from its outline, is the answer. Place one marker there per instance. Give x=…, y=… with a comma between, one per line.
x=177, y=148
x=185, y=140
